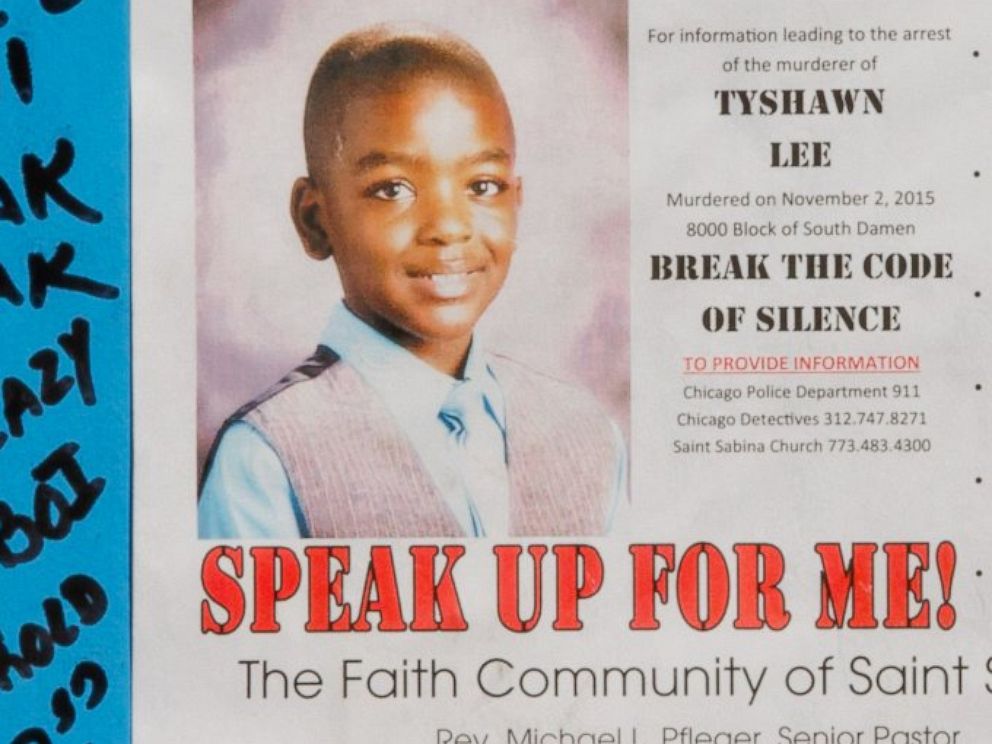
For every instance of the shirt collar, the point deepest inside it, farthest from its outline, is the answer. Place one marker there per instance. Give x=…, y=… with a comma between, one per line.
x=393, y=372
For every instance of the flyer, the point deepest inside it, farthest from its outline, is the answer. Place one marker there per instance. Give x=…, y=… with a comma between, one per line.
x=533, y=372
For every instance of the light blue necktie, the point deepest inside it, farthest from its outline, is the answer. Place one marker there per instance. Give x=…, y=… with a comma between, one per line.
x=478, y=451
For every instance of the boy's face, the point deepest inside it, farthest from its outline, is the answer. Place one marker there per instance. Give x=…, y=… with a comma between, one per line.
x=417, y=200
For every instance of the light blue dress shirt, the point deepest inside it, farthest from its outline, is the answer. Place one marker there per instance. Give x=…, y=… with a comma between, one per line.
x=247, y=494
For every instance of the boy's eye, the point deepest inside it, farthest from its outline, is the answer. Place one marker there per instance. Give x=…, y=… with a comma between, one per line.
x=391, y=191
x=487, y=187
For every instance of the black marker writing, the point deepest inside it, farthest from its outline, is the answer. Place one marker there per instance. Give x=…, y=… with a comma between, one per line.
x=52, y=273
x=47, y=273
x=63, y=494
x=76, y=344
x=32, y=736
x=36, y=643
x=87, y=674
x=8, y=290
x=59, y=6
x=18, y=57
x=20, y=399
x=53, y=514
x=19, y=66
x=10, y=210
x=53, y=387
x=43, y=182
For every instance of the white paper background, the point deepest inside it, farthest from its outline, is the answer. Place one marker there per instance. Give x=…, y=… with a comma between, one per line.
x=187, y=687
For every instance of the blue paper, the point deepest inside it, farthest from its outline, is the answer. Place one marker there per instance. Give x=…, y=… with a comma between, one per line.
x=74, y=99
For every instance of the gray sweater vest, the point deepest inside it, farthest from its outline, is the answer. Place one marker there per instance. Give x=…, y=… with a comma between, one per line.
x=355, y=474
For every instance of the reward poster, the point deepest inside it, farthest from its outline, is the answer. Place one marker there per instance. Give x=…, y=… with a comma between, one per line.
x=533, y=372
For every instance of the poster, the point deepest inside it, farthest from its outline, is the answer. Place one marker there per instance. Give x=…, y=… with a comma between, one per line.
x=752, y=234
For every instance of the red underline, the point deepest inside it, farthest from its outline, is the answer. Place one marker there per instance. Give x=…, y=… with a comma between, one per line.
x=809, y=372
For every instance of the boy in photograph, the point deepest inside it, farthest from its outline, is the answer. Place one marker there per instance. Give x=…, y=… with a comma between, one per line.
x=401, y=424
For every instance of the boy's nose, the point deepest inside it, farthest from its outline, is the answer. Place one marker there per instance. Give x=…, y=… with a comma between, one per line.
x=446, y=220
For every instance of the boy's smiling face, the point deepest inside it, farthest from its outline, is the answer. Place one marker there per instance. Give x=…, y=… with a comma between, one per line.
x=416, y=198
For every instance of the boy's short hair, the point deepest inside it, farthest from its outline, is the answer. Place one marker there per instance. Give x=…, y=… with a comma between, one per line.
x=377, y=59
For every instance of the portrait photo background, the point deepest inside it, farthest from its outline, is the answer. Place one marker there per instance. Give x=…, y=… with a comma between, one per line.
x=262, y=303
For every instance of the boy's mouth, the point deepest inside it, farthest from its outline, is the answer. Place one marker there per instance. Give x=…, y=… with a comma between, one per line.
x=448, y=285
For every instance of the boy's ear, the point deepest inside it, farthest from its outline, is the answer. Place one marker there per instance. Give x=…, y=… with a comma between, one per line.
x=306, y=208
x=520, y=190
